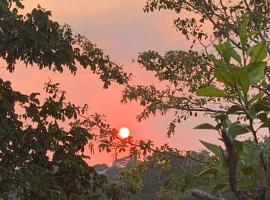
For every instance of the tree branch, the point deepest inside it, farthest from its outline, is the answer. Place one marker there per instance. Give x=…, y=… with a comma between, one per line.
x=232, y=163
x=204, y=196
x=169, y=153
x=197, y=109
x=254, y=133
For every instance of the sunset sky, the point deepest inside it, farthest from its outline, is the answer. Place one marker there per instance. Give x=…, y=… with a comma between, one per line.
x=121, y=29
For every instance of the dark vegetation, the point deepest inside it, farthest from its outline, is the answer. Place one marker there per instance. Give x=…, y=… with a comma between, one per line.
x=227, y=79
x=39, y=158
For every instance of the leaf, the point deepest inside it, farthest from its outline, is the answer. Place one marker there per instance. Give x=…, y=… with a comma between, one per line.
x=220, y=168
x=255, y=71
x=238, y=145
x=235, y=109
x=265, y=125
x=243, y=30
x=256, y=97
x=258, y=52
x=217, y=150
x=220, y=187
x=251, y=112
x=205, y=126
x=263, y=117
x=237, y=129
x=207, y=171
x=218, y=63
x=228, y=52
x=235, y=55
x=261, y=106
x=253, y=33
x=247, y=184
x=224, y=76
x=223, y=51
x=220, y=117
x=241, y=75
x=251, y=152
x=247, y=170
x=211, y=91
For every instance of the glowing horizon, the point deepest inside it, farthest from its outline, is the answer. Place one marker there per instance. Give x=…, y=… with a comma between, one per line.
x=122, y=30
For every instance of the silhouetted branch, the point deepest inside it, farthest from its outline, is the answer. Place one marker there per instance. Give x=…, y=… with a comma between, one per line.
x=170, y=153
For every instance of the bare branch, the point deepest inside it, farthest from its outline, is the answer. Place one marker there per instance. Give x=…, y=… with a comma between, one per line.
x=204, y=196
x=232, y=163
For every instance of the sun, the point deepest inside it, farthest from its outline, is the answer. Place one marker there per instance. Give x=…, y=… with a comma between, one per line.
x=124, y=132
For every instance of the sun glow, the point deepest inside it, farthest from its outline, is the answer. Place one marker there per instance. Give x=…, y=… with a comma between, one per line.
x=124, y=132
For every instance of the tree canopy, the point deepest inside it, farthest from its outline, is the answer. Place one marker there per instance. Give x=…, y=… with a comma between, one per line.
x=187, y=71
x=35, y=39
x=43, y=140
x=226, y=78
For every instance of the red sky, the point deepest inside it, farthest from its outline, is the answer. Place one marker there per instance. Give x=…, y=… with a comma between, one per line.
x=122, y=30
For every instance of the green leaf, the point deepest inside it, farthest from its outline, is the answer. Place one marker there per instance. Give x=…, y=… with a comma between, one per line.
x=256, y=97
x=258, y=52
x=220, y=117
x=235, y=109
x=255, y=71
x=238, y=145
x=251, y=152
x=208, y=171
x=241, y=75
x=263, y=117
x=262, y=106
x=228, y=52
x=223, y=51
x=218, y=63
x=237, y=129
x=235, y=55
x=253, y=33
x=220, y=168
x=247, y=184
x=224, y=76
x=243, y=30
x=205, y=126
x=211, y=91
x=217, y=150
x=251, y=112
x=220, y=187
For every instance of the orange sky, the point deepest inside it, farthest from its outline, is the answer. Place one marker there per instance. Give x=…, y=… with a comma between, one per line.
x=122, y=30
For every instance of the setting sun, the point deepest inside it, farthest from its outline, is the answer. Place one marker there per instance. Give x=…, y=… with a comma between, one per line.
x=124, y=132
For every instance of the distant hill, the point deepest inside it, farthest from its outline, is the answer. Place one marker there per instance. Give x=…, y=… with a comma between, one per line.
x=113, y=171
x=153, y=178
